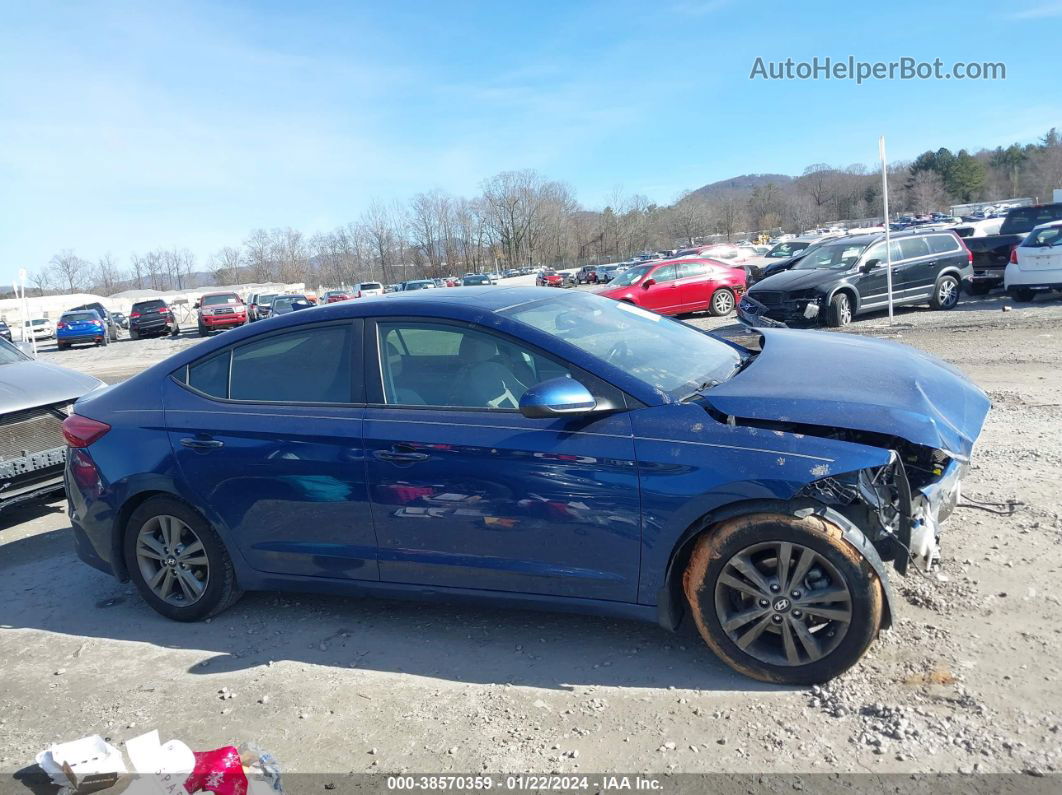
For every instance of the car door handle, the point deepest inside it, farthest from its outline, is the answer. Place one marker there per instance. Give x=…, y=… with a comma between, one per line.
x=202, y=444
x=401, y=454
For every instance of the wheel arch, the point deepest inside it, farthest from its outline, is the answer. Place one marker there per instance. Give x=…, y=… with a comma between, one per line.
x=670, y=601
x=852, y=292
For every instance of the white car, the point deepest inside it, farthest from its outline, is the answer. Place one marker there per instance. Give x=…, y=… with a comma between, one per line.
x=363, y=289
x=38, y=329
x=1036, y=263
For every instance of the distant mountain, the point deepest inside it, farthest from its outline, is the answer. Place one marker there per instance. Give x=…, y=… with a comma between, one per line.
x=743, y=182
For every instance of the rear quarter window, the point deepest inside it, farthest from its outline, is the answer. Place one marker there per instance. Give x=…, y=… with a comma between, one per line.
x=211, y=376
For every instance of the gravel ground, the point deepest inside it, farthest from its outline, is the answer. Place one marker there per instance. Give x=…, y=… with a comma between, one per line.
x=963, y=682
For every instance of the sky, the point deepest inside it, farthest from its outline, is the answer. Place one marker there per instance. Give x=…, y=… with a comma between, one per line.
x=125, y=126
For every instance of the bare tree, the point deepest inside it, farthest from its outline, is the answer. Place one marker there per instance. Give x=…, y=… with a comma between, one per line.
x=42, y=280
x=106, y=275
x=227, y=264
x=69, y=270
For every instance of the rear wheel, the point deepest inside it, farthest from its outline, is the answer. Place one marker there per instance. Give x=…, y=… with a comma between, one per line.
x=783, y=599
x=177, y=561
x=133, y=334
x=176, y=331
x=722, y=302
x=840, y=311
x=1023, y=294
x=945, y=292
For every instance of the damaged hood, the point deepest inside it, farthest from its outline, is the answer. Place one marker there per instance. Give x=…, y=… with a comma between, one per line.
x=28, y=384
x=845, y=381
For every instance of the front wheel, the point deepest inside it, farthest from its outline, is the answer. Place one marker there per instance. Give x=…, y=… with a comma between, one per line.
x=177, y=561
x=202, y=330
x=782, y=599
x=840, y=311
x=945, y=293
x=722, y=303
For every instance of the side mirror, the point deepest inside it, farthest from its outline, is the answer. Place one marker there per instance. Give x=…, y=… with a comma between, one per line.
x=195, y=305
x=870, y=264
x=648, y=283
x=556, y=398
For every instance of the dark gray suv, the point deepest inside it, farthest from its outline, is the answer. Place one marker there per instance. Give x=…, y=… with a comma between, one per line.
x=846, y=277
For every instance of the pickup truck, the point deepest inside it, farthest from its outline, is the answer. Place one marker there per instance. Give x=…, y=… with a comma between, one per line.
x=992, y=253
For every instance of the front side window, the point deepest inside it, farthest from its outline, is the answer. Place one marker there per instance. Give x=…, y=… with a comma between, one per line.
x=425, y=364
x=669, y=356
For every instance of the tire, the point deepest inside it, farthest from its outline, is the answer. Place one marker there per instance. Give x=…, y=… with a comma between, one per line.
x=133, y=335
x=106, y=340
x=176, y=331
x=722, y=303
x=979, y=289
x=202, y=330
x=1023, y=294
x=60, y=346
x=171, y=597
x=945, y=293
x=839, y=312
x=755, y=642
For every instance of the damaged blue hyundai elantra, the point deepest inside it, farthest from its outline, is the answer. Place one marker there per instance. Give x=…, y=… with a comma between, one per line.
x=537, y=448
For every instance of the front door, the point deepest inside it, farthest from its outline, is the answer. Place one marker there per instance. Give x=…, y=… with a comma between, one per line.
x=663, y=294
x=268, y=436
x=468, y=493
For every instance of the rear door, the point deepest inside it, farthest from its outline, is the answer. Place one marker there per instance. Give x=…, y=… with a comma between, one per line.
x=692, y=287
x=917, y=273
x=268, y=438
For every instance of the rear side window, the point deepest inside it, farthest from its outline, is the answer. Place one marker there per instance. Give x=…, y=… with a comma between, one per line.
x=943, y=244
x=310, y=365
x=687, y=269
x=911, y=247
x=211, y=376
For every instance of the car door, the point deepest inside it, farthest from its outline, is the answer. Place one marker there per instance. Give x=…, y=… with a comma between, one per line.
x=468, y=493
x=692, y=287
x=917, y=274
x=658, y=290
x=267, y=435
x=873, y=283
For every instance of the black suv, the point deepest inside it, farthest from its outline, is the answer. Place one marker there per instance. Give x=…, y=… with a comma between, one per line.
x=846, y=277
x=152, y=319
x=108, y=318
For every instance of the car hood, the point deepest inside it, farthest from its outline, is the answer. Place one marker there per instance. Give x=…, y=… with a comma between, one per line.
x=797, y=279
x=846, y=381
x=27, y=384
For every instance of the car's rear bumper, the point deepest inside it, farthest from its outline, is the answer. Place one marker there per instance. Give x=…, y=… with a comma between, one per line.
x=80, y=338
x=987, y=276
x=153, y=328
x=1033, y=279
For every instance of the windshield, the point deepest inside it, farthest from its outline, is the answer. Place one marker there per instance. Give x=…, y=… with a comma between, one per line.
x=632, y=276
x=835, y=256
x=80, y=317
x=673, y=358
x=475, y=280
x=785, y=250
x=216, y=300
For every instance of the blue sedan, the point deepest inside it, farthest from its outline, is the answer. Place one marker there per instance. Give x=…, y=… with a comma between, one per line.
x=531, y=447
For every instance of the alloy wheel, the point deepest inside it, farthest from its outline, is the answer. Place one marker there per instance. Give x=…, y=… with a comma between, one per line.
x=723, y=302
x=783, y=603
x=172, y=560
x=947, y=293
x=844, y=310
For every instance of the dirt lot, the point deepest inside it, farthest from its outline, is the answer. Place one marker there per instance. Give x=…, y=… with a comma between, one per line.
x=967, y=680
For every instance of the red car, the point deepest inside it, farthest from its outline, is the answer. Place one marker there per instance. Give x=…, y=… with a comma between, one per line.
x=335, y=296
x=220, y=311
x=674, y=287
x=549, y=279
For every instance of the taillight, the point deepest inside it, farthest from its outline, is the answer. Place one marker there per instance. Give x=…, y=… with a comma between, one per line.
x=1014, y=256
x=133, y=315
x=82, y=431
x=60, y=325
x=164, y=311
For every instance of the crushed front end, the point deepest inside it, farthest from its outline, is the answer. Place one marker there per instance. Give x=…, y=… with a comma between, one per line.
x=32, y=452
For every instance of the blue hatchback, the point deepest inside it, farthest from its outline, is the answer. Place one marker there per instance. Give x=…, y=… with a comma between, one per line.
x=80, y=326
x=533, y=447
